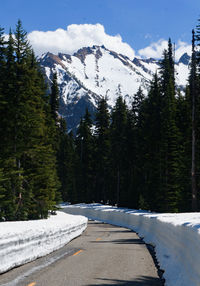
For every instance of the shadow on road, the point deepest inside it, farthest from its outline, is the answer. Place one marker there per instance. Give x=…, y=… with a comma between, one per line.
x=122, y=241
x=117, y=231
x=143, y=281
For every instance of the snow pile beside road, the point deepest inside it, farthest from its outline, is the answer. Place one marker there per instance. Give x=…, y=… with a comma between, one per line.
x=24, y=241
x=176, y=237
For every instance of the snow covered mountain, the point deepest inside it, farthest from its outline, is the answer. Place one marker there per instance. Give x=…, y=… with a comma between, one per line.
x=95, y=72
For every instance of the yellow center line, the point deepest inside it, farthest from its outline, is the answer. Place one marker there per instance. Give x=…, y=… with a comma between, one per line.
x=98, y=239
x=77, y=252
x=32, y=284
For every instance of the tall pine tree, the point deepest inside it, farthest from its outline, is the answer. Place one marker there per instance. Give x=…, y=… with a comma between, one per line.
x=102, y=136
x=170, y=151
x=85, y=161
x=119, y=151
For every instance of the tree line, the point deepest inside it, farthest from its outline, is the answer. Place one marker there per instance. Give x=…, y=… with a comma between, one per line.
x=29, y=133
x=146, y=156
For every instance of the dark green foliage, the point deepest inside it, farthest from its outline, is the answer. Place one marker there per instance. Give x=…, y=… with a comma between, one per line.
x=2, y=194
x=2, y=52
x=85, y=165
x=102, y=154
x=21, y=44
x=195, y=99
x=149, y=134
x=43, y=181
x=137, y=103
x=66, y=164
x=170, y=151
x=134, y=180
x=119, y=151
x=29, y=183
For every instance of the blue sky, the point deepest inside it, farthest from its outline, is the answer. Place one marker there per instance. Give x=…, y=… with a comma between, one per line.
x=139, y=22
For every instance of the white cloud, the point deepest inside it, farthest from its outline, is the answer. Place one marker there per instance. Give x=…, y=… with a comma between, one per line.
x=155, y=50
x=75, y=37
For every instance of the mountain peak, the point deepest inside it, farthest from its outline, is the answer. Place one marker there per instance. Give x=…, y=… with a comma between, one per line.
x=184, y=59
x=95, y=72
x=83, y=52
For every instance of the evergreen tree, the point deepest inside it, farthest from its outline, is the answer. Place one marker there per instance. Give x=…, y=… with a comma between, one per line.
x=28, y=159
x=196, y=95
x=66, y=164
x=2, y=55
x=2, y=195
x=85, y=165
x=197, y=39
x=133, y=179
x=150, y=148
x=3, y=102
x=102, y=136
x=137, y=103
x=193, y=85
x=7, y=183
x=119, y=151
x=183, y=119
x=22, y=46
x=170, y=152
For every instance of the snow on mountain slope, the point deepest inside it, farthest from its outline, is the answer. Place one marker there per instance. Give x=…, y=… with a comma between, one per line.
x=95, y=72
x=182, y=73
x=106, y=73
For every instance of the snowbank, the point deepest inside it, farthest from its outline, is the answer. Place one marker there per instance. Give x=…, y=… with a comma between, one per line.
x=176, y=237
x=24, y=241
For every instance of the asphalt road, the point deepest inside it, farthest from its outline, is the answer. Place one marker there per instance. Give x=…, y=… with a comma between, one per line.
x=103, y=255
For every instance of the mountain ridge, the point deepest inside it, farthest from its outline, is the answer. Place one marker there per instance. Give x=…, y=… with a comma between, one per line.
x=95, y=72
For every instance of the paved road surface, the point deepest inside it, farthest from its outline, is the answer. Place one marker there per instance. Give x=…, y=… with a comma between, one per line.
x=103, y=255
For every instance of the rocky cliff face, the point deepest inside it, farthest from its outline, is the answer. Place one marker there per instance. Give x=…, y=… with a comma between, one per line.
x=95, y=72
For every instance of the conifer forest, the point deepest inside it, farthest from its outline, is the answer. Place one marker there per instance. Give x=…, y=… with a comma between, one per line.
x=147, y=156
